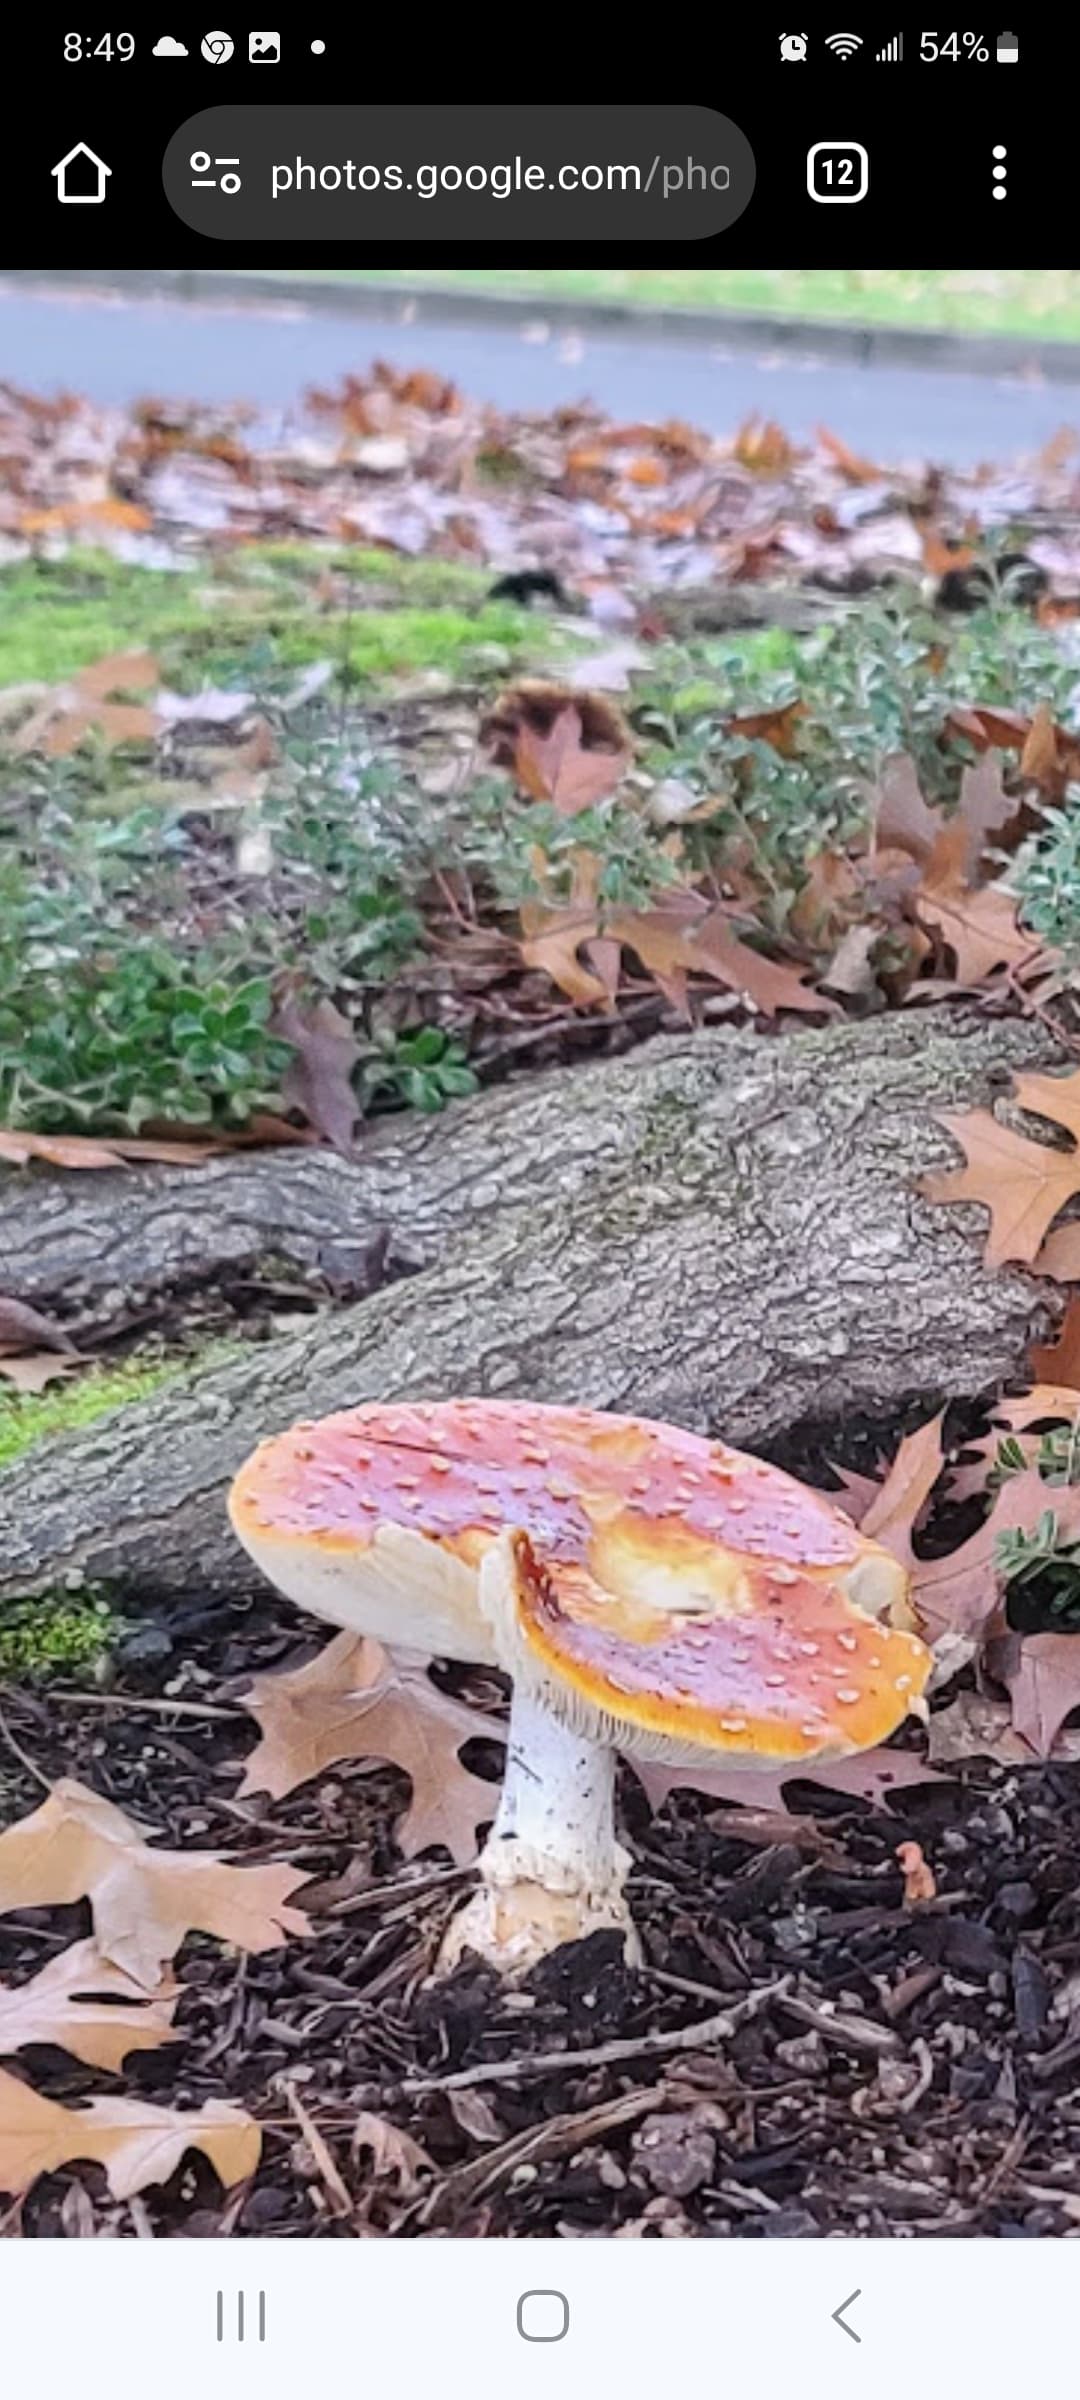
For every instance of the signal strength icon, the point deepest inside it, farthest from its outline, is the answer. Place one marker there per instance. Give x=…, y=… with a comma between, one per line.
x=843, y=45
x=892, y=52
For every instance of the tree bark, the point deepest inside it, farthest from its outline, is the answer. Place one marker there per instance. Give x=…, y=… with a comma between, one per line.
x=719, y=1229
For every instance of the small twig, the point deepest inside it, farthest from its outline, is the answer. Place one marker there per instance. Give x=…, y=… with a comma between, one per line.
x=397, y=1891
x=17, y=1751
x=848, y=2032
x=684, y=1983
x=718, y=2028
x=163, y=1708
x=339, y=2198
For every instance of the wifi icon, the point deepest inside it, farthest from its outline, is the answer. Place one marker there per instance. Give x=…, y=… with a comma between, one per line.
x=843, y=45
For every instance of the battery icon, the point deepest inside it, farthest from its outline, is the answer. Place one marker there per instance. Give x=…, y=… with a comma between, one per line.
x=1008, y=49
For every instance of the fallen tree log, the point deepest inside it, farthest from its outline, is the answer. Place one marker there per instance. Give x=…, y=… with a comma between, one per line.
x=719, y=1229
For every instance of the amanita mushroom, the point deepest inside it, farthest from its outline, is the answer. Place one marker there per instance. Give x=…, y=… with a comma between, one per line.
x=648, y=1591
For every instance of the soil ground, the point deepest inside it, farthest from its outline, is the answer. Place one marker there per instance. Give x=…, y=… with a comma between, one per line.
x=904, y=2071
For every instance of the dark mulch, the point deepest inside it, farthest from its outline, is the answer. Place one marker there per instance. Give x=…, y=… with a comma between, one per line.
x=917, y=2073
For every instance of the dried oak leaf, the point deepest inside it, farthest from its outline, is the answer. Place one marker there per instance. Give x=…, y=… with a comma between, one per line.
x=352, y=1701
x=535, y=707
x=1022, y=1183
x=960, y=1594
x=552, y=940
x=34, y=1349
x=136, y=2143
x=395, y=2157
x=319, y=1078
x=1060, y=1254
x=683, y=936
x=899, y=1502
x=558, y=768
x=86, y=706
x=872, y=1775
x=85, y=2003
x=980, y=927
x=25, y=1328
x=1044, y=1687
x=36, y=1368
x=78, y=1846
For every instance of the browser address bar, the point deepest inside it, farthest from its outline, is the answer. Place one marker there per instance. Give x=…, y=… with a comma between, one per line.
x=524, y=173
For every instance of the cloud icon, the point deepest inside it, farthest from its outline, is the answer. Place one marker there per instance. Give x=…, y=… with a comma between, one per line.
x=169, y=48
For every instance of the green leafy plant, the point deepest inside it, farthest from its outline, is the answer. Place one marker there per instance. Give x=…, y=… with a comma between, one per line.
x=1038, y=1564
x=1042, y=1558
x=424, y=1070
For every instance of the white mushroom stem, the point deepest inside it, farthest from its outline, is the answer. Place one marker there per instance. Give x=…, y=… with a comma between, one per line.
x=551, y=1870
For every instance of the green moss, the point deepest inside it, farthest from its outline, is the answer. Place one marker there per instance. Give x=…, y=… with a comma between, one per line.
x=57, y=1631
x=27, y=1419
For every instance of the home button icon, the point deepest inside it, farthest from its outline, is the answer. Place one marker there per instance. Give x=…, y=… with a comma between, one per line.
x=81, y=177
x=543, y=2316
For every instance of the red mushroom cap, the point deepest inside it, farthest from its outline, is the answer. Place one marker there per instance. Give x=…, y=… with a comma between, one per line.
x=380, y=1517
x=796, y=1673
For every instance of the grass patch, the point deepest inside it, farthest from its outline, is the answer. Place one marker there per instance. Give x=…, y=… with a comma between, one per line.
x=262, y=612
x=1044, y=302
x=66, y=1407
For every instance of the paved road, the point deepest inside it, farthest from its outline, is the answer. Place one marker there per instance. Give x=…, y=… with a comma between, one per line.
x=117, y=350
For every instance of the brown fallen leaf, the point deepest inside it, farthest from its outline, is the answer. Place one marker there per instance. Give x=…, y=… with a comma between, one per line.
x=981, y=928
x=556, y=766
x=973, y=1726
x=920, y=1882
x=1044, y=1687
x=1060, y=1253
x=319, y=1078
x=34, y=1349
x=1023, y=1184
x=352, y=1701
x=86, y=706
x=85, y=2003
x=395, y=2157
x=144, y=1901
x=856, y=1494
x=1054, y=1096
x=959, y=1595
x=873, y=1775
x=25, y=1328
x=136, y=2143
x=899, y=1502
x=553, y=939
x=37, y=1368
x=1044, y=1404
x=105, y=1150
x=1058, y=1362
x=763, y=446
x=777, y=726
x=682, y=936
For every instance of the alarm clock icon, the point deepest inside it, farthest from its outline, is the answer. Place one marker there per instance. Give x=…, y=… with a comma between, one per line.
x=793, y=48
